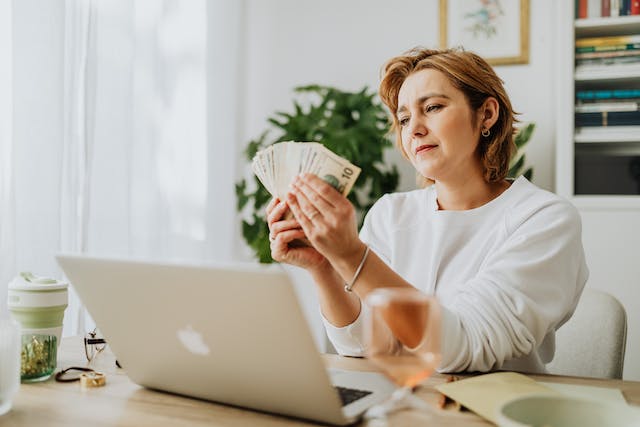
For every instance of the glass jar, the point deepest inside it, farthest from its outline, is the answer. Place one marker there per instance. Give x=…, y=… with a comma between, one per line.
x=38, y=355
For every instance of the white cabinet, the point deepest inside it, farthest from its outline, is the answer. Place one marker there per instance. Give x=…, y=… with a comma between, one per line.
x=593, y=167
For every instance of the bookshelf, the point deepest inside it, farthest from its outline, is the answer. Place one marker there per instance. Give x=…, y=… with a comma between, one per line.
x=601, y=149
x=610, y=222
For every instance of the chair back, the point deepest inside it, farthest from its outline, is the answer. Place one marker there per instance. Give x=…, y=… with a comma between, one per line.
x=592, y=342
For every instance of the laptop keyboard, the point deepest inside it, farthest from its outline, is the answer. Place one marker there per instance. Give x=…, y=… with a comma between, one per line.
x=349, y=395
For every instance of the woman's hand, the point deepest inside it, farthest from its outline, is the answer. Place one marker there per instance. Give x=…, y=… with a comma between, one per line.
x=282, y=232
x=327, y=217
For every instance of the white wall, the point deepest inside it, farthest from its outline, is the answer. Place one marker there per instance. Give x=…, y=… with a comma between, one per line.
x=614, y=268
x=346, y=43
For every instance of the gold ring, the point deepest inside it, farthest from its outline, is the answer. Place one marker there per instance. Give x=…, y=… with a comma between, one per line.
x=93, y=379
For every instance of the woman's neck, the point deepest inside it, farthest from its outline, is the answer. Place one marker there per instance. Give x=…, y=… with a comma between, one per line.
x=468, y=194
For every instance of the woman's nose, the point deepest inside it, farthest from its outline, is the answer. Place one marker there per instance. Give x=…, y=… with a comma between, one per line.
x=417, y=127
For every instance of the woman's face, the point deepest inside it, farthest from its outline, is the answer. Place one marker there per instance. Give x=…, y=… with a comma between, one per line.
x=436, y=127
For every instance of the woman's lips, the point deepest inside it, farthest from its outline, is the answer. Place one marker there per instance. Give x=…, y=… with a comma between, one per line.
x=425, y=148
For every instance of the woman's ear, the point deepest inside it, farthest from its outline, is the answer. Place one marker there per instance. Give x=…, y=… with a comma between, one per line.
x=490, y=111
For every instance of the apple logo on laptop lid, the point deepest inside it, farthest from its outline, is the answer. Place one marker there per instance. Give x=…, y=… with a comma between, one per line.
x=192, y=340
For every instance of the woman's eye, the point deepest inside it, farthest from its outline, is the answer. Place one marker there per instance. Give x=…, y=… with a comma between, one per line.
x=433, y=107
x=403, y=121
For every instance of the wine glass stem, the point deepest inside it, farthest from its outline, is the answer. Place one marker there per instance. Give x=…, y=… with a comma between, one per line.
x=404, y=398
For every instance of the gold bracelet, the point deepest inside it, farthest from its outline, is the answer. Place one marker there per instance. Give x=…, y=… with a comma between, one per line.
x=348, y=286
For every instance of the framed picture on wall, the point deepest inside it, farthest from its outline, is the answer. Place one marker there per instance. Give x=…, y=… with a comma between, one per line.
x=497, y=30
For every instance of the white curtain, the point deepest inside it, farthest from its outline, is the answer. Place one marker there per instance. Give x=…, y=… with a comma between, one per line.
x=127, y=146
x=79, y=80
x=136, y=142
x=7, y=234
x=145, y=163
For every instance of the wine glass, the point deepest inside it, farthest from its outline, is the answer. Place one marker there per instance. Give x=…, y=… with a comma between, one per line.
x=402, y=338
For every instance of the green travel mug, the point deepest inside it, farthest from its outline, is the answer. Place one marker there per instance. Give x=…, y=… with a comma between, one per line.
x=38, y=305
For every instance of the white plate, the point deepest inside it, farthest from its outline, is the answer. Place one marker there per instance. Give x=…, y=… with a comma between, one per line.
x=558, y=411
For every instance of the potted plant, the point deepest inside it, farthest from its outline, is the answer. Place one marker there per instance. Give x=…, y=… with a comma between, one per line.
x=353, y=125
x=518, y=162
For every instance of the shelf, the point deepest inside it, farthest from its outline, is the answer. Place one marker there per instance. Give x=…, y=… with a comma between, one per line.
x=609, y=26
x=619, y=72
x=599, y=134
x=592, y=163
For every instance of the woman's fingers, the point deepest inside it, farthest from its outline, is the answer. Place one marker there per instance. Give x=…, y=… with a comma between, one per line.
x=298, y=213
x=311, y=211
x=280, y=243
x=272, y=204
x=276, y=212
x=312, y=195
x=281, y=226
x=288, y=236
x=324, y=191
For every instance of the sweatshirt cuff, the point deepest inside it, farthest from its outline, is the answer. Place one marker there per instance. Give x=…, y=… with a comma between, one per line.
x=451, y=342
x=346, y=339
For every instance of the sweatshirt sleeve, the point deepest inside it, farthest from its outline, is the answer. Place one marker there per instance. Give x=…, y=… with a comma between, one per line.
x=347, y=340
x=524, y=290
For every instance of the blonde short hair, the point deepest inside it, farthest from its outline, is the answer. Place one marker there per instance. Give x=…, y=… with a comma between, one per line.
x=474, y=77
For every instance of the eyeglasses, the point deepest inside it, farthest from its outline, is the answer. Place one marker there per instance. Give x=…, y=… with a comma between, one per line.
x=93, y=346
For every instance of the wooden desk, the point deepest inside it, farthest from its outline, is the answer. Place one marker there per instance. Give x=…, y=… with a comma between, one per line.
x=123, y=403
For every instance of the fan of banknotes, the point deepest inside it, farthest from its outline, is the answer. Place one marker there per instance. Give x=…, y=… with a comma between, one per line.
x=277, y=165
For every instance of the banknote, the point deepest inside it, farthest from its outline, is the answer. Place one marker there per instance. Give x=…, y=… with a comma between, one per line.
x=277, y=166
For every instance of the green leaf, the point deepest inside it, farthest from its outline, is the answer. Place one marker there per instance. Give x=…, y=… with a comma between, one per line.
x=515, y=169
x=518, y=161
x=523, y=135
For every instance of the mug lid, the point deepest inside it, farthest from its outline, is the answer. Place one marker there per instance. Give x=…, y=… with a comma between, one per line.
x=27, y=281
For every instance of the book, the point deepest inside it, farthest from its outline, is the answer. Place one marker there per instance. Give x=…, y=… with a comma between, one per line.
x=635, y=7
x=599, y=107
x=606, y=8
x=604, y=71
x=582, y=9
x=615, y=7
x=594, y=8
x=608, y=54
x=608, y=94
x=605, y=118
x=596, y=63
x=608, y=48
x=609, y=40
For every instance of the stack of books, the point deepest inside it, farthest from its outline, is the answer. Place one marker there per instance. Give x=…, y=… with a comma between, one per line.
x=594, y=52
x=607, y=108
x=603, y=8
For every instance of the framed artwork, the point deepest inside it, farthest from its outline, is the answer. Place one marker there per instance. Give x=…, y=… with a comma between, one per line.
x=497, y=30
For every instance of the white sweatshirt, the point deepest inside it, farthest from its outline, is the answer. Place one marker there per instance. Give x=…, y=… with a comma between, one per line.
x=507, y=274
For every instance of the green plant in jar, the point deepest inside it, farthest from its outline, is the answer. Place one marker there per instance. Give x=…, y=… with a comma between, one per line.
x=37, y=357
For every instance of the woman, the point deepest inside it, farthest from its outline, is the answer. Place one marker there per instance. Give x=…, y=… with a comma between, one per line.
x=504, y=258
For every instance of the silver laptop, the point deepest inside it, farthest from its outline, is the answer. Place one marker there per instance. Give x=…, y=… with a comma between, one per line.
x=232, y=333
